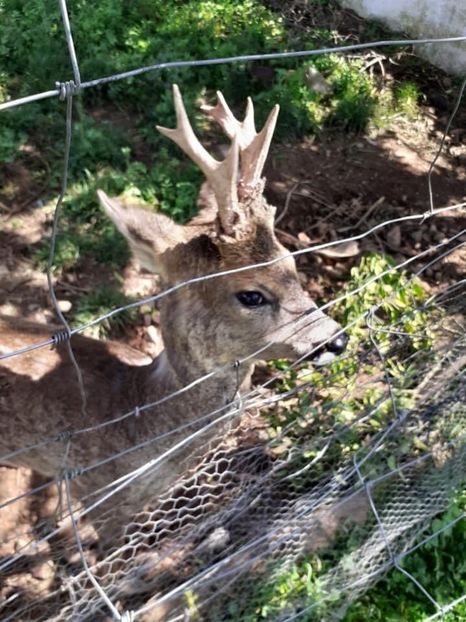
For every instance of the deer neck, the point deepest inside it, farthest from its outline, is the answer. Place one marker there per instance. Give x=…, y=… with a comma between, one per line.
x=198, y=385
x=195, y=360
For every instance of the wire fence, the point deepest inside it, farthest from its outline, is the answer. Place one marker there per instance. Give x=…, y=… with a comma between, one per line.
x=197, y=519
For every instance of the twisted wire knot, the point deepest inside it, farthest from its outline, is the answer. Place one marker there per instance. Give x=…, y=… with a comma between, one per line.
x=64, y=436
x=67, y=89
x=60, y=337
x=73, y=473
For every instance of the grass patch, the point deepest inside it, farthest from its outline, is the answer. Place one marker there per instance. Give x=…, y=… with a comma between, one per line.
x=438, y=565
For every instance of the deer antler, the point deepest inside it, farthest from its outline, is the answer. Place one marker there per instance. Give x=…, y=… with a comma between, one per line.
x=246, y=145
x=253, y=146
x=221, y=176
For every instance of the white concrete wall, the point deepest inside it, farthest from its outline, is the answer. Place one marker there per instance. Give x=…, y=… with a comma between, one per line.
x=423, y=19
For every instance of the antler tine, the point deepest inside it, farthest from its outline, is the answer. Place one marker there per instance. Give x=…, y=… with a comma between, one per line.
x=253, y=147
x=253, y=157
x=249, y=123
x=221, y=176
x=222, y=114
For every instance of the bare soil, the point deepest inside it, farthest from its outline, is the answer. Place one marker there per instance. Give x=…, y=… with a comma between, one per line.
x=342, y=186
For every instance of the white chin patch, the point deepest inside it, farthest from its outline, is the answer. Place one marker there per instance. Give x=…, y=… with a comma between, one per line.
x=324, y=359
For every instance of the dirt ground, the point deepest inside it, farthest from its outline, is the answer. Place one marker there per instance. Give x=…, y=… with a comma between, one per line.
x=343, y=187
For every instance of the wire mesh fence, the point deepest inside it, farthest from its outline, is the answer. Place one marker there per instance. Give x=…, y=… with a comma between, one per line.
x=285, y=501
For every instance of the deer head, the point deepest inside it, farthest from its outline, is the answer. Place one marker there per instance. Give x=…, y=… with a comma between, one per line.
x=247, y=313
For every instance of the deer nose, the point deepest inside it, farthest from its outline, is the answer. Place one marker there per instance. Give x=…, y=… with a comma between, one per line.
x=337, y=345
x=326, y=352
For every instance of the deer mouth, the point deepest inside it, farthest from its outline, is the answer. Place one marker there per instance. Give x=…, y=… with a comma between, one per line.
x=323, y=357
x=320, y=357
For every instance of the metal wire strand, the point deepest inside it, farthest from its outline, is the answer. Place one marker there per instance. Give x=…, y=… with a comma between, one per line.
x=70, y=44
x=57, y=338
x=230, y=59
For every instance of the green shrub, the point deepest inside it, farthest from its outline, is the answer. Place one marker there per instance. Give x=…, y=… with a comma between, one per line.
x=407, y=96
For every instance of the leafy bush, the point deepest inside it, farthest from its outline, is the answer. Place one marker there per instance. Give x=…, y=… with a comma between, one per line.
x=333, y=397
x=66, y=253
x=10, y=142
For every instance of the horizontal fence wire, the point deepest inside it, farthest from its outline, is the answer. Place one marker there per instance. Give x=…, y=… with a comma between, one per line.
x=60, y=91
x=241, y=560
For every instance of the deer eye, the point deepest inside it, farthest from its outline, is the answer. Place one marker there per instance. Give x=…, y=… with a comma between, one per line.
x=252, y=299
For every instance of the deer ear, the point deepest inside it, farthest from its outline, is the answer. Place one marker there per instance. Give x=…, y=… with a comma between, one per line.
x=149, y=234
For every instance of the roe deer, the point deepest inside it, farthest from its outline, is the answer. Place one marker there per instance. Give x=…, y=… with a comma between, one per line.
x=207, y=325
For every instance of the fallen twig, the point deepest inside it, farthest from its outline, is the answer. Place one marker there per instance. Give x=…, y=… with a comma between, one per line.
x=364, y=217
